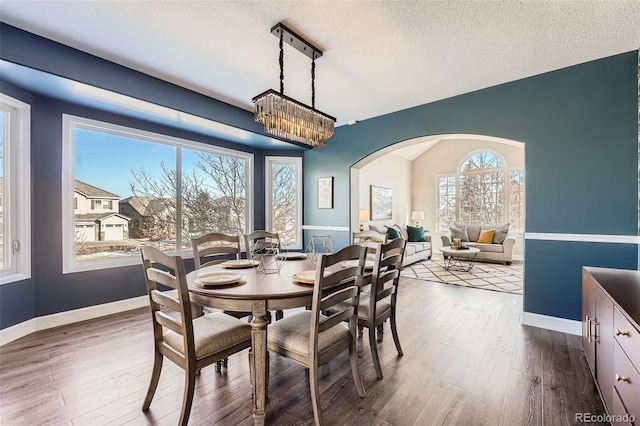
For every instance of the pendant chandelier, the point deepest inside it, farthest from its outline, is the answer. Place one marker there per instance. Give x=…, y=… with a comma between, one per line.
x=285, y=117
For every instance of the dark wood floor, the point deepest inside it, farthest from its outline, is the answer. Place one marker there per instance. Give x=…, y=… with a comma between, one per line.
x=468, y=361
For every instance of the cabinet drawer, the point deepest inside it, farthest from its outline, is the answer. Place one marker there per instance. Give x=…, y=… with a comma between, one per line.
x=629, y=388
x=628, y=337
x=619, y=413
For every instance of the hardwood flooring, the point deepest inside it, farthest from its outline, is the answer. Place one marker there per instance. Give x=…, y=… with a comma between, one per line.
x=468, y=361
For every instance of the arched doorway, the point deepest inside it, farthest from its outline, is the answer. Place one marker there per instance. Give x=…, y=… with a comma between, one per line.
x=432, y=174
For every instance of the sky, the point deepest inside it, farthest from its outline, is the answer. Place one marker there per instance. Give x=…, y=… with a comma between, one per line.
x=107, y=161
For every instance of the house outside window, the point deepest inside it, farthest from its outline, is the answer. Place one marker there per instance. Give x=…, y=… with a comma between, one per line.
x=483, y=191
x=15, y=190
x=164, y=191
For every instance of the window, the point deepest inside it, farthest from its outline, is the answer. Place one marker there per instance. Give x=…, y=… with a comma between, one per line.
x=483, y=191
x=15, y=190
x=162, y=191
x=284, y=199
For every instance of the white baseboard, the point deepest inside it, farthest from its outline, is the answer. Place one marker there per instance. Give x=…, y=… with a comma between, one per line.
x=69, y=317
x=17, y=331
x=552, y=323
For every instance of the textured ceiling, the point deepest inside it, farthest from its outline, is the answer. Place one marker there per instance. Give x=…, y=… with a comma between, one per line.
x=379, y=56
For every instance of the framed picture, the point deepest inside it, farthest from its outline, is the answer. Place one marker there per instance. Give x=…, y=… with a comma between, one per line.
x=325, y=192
x=381, y=202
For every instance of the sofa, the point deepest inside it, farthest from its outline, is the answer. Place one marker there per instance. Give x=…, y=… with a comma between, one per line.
x=498, y=251
x=414, y=250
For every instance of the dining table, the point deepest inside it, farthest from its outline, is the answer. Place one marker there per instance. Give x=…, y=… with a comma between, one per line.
x=258, y=292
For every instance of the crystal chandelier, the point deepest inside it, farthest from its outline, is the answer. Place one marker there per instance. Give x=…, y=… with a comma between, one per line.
x=285, y=117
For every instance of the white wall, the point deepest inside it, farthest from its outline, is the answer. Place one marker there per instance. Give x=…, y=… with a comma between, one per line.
x=443, y=158
x=389, y=171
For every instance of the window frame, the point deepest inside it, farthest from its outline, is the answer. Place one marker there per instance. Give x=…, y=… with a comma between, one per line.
x=17, y=190
x=297, y=161
x=71, y=122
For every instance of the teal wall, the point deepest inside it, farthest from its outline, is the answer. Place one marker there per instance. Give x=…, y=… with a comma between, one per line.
x=580, y=130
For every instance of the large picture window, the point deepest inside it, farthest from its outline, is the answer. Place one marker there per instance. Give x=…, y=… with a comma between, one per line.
x=483, y=191
x=284, y=199
x=15, y=190
x=124, y=188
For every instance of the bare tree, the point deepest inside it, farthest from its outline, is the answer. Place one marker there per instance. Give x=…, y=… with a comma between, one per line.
x=212, y=198
x=157, y=198
x=284, y=201
x=482, y=192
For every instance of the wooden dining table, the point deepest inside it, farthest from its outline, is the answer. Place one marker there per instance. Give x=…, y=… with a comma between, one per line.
x=259, y=293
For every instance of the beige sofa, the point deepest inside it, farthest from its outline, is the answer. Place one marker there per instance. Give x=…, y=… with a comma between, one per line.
x=414, y=251
x=488, y=252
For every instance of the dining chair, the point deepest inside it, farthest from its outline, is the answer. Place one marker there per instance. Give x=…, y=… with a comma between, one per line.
x=214, y=244
x=311, y=338
x=260, y=243
x=191, y=343
x=217, y=244
x=379, y=304
x=369, y=239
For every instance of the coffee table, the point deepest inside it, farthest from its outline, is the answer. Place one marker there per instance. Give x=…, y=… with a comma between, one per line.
x=459, y=260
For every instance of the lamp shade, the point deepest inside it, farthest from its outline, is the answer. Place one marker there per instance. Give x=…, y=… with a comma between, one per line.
x=417, y=215
x=363, y=215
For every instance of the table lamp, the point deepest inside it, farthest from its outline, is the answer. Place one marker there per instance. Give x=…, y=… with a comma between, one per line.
x=363, y=216
x=417, y=215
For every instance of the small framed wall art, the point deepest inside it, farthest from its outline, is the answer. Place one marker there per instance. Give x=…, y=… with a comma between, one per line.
x=325, y=192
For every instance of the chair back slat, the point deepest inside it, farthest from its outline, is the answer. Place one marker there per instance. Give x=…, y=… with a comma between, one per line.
x=168, y=322
x=163, y=299
x=335, y=319
x=214, y=244
x=341, y=275
x=337, y=297
x=162, y=277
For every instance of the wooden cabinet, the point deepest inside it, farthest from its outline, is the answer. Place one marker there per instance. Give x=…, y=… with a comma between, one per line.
x=611, y=338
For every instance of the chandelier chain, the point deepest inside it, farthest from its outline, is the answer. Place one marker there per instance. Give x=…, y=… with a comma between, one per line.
x=281, y=62
x=313, y=79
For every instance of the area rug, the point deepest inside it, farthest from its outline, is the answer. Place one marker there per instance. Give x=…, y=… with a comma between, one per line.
x=486, y=276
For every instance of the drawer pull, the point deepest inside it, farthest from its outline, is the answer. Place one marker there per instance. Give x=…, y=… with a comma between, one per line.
x=622, y=333
x=620, y=378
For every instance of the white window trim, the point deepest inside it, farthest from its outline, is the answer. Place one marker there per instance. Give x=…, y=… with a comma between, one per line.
x=17, y=196
x=69, y=123
x=269, y=161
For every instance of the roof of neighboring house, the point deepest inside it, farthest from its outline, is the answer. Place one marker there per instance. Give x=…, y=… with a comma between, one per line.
x=91, y=191
x=95, y=217
x=147, y=206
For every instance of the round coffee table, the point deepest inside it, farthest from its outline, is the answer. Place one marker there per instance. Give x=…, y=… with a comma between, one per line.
x=459, y=259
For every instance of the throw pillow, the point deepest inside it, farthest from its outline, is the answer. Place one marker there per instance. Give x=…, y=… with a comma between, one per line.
x=392, y=233
x=402, y=230
x=379, y=229
x=416, y=234
x=486, y=237
x=501, y=233
x=459, y=233
x=473, y=232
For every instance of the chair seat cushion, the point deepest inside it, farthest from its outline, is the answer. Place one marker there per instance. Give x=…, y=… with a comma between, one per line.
x=293, y=334
x=212, y=333
x=363, y=306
